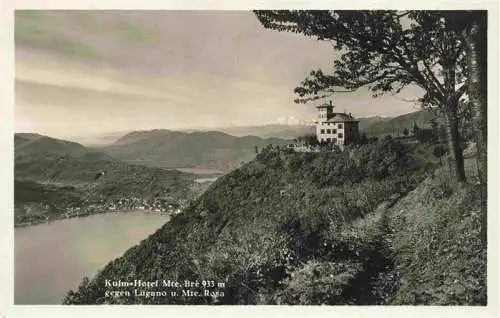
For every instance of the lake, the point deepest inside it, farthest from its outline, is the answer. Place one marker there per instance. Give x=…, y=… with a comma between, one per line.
x=199, y=170
x=52, y=258
x=203, y=180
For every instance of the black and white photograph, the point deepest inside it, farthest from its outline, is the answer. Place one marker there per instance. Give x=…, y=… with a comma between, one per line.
x=304, y=157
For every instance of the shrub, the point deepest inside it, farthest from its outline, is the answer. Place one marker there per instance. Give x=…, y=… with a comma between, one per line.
x=319, y=283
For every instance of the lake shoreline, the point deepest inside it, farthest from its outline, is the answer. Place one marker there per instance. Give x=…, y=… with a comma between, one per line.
x=40, y=222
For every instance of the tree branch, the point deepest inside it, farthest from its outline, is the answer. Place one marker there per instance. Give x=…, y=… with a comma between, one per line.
x=461, y=91
x=432, y=78
x=398, y=16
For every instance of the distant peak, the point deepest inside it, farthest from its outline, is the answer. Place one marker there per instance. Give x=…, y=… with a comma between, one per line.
x=291, y=121
x=29, y=136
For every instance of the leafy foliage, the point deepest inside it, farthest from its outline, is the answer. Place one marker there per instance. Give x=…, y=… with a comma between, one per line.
x=378, y=50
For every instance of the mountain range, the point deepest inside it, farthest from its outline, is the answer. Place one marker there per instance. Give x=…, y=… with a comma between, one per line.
x=175, y=149
x=375, y=126
x=287, y=128
x=222, y=149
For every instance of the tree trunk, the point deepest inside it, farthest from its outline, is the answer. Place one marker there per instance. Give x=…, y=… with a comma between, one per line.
x=476, y=41
x=454, y=145
x=475, y=38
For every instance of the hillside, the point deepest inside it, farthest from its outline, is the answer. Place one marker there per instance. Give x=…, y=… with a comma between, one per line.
x=281, y=131
x=34, y=144
x=305, y=228
x=395, y=125
x=365, y=122
x=170, y=149
x=435, y=239
x=55, y=178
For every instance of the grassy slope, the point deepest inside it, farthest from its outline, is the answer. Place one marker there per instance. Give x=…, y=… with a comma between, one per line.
x=291, y=229
x=437, y=245
x=272, y=228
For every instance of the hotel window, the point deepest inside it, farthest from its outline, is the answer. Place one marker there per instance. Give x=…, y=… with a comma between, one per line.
x=334, y=131
x=334, y=140
x=328, y=131
x=340, y=135
x=328, y=139
x=322, y=131
x=340, y=125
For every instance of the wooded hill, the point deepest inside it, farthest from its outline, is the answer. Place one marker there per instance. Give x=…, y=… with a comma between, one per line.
x=54, y=175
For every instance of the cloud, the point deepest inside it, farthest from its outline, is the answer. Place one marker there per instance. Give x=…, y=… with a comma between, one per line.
x=134, y=33
x=114, y=70
x=89, y=81
x=34, y=30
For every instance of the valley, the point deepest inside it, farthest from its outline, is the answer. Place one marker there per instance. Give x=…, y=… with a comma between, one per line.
x=64, y=180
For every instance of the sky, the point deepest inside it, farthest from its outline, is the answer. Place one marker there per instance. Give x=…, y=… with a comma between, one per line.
x=91, y=72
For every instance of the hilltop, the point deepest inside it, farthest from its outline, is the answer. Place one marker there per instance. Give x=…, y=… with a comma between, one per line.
x=35, y=144
x=171, y=149
x=311, y=228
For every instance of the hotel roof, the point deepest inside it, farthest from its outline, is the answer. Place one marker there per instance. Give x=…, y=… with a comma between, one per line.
x=340, y=117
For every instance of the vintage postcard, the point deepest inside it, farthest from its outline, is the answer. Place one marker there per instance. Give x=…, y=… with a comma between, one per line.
x=304, y=158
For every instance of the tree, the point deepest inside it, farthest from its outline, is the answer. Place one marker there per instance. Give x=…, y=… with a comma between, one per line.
x=363, y=140
x=309, y=140
x=415, y=129
x=386, y=51
x=406, y=132
x=81, y=296
x=438, y=151
x=473, y=26
x=475, y=38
